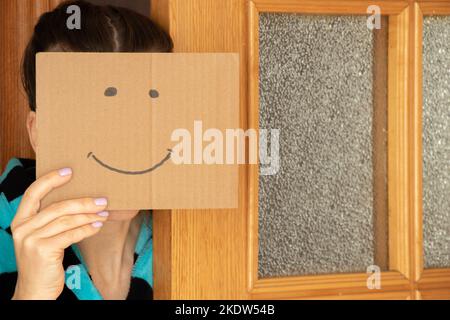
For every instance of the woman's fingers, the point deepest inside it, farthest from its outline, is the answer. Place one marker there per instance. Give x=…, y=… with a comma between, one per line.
x=66, y=239
x=69, y=222
x=64, y=208
x=32, y=197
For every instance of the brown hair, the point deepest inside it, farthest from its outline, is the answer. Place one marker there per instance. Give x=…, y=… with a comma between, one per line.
x=103, y=29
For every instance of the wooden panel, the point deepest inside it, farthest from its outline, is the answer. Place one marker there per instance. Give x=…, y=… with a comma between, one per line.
x=388, y=295
x=435, y=7
x=17, y=19
x=306, y=287
x=443, y=294
x=207, y=247
x=434, y=279
x=162, y=261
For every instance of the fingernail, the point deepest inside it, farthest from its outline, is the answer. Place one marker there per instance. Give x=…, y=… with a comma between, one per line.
x=65, y=172
x=97, y=224
x=103, y=214
x=101, y=201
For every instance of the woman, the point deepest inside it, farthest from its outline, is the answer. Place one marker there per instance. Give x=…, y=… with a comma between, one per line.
x=74, y=249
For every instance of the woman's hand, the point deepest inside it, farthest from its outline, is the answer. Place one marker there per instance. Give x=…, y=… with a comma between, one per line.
x=41, y=235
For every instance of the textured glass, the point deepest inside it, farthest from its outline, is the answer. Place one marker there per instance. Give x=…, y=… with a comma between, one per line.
x=316, y=85
x=436, y=141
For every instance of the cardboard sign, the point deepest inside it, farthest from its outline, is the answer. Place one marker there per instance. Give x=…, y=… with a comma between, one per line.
x=113, y=117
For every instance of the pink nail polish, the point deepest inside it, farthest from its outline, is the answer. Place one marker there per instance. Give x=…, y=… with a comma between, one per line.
x=101, y=201
x=103, y=213
x=97, y=224
x=65, y=172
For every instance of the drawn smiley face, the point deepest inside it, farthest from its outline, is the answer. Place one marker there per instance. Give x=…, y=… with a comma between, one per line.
x=112, y=117
x=112, y=92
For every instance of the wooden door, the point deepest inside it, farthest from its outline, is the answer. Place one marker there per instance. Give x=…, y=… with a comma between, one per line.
x=213, y=254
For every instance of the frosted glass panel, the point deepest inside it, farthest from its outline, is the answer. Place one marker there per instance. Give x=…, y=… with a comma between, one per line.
x=316, y=85
x=436, y=141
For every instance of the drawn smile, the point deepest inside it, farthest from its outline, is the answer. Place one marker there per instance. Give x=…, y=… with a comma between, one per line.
x=156, y=166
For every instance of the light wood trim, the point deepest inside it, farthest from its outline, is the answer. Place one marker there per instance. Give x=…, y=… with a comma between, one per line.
x=434, y=7
x=387, y=295
x=434, y=279
x=415, y=122
x=162, y=248
x=437, y=294
x=328, y=6
x=253, y=116
x=325, y=285
x=398, y=181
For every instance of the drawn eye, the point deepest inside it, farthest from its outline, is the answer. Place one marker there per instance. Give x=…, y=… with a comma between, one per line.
x=110, y=92
x=154, y=93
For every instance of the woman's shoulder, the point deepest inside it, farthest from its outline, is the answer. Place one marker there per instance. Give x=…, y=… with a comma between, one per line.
x=17, y=177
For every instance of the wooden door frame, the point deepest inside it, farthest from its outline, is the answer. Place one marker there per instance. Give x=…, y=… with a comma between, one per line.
x=397, y=279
